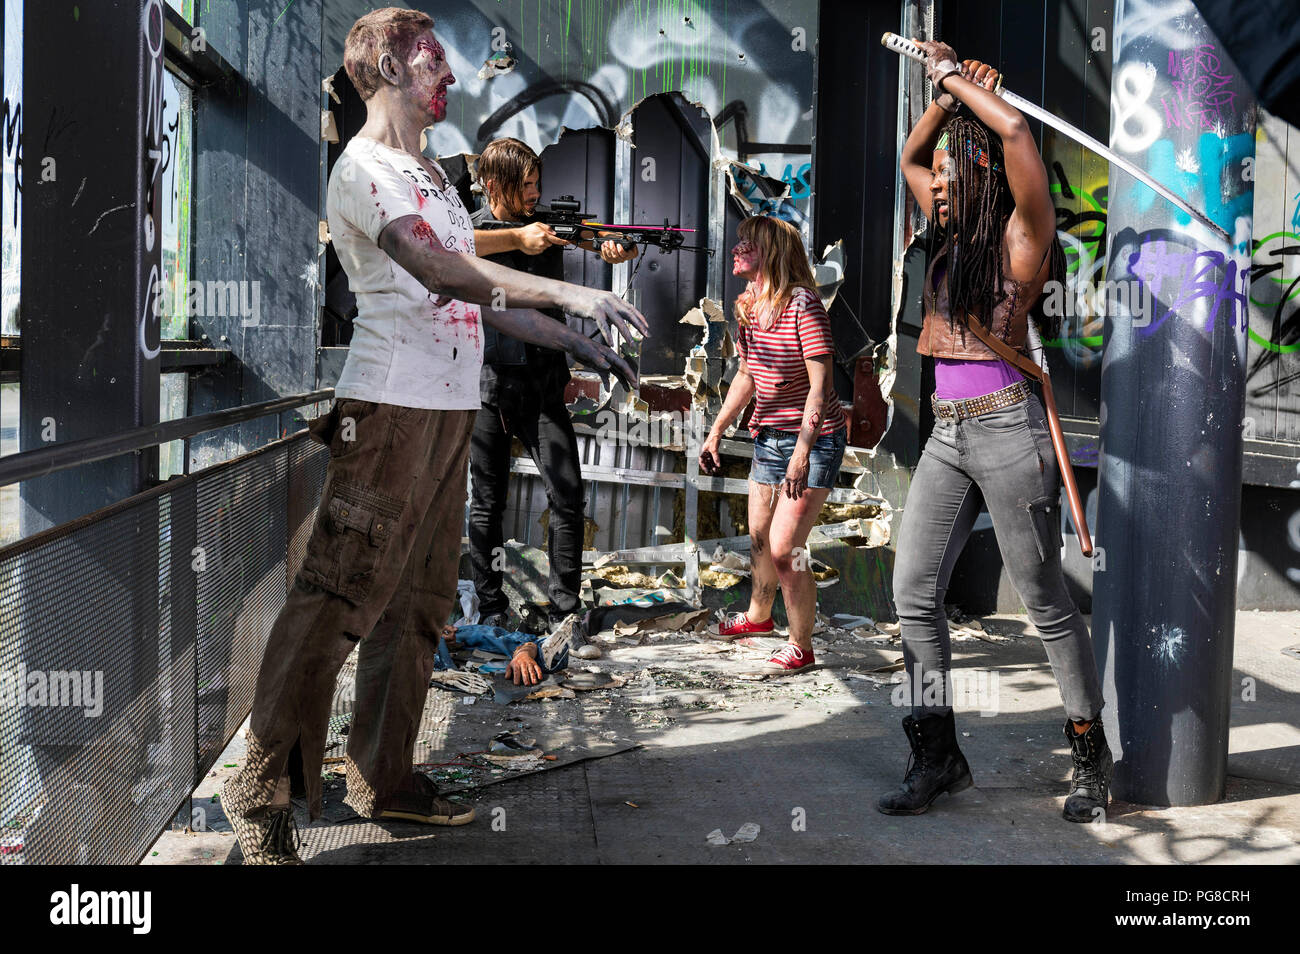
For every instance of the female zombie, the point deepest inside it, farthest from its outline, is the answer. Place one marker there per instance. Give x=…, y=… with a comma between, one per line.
x=798, y=425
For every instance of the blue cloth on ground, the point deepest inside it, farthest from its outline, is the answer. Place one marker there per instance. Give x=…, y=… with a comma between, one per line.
x=443, y=658
x=503, y=642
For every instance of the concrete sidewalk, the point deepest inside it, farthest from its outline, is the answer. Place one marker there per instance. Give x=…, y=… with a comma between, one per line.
x=804, y=757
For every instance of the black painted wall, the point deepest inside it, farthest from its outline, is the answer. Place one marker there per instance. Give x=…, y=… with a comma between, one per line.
x=90, y=360
x=854, y=169
x=673, y=135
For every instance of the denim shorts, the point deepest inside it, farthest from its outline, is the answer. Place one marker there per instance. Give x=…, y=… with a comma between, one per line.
x=773, y=449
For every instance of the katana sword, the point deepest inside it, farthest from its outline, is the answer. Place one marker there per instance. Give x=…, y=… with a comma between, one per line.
x=905, y=47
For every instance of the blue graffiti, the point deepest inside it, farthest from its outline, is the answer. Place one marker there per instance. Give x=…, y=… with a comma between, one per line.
x=797, y=181
x=755, y=190
x=1207, y=186
x=1086, y=456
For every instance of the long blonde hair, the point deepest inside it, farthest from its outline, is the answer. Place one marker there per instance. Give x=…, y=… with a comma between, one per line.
x=783, y=264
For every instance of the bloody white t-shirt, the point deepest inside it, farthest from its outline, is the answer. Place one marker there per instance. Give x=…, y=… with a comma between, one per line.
x=406, y=349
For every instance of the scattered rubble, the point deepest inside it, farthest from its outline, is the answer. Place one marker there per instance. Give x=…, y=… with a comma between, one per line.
x=745, y=834
x=658, y=667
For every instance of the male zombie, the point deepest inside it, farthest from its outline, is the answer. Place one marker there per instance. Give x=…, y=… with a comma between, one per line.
x=380, y=568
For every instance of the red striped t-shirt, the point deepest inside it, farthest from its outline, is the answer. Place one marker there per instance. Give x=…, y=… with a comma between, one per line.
x=775, y=359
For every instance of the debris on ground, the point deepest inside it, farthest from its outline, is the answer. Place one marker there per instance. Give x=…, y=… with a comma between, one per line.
x=689, y=621
x=550, y=692
x=658, y=667
x=745, y=834
x=460, y=681
x=587, y=680
x=507, y=747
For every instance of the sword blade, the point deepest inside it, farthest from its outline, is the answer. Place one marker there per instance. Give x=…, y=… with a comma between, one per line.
x=1101, y=149
x=905, y=47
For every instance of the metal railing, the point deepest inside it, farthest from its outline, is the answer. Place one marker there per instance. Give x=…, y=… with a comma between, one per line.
x=47, y=460
x=142, y=625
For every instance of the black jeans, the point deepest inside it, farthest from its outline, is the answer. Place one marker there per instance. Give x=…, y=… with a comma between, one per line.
x=529, y=404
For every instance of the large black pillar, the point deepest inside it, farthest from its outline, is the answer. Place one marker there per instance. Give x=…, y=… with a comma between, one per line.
x=92, y=244
x=93, y=151
x=1172, y=393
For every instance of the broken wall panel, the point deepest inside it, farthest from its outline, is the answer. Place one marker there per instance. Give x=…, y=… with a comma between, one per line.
x=586, y=63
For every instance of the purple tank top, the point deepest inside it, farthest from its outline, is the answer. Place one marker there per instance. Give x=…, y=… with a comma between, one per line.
x=956, y=379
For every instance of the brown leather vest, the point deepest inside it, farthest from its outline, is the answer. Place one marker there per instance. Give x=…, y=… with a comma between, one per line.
x=943, y=339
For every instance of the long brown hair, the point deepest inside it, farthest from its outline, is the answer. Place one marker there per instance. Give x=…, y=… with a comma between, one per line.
x=506, y=163
x=783, y=266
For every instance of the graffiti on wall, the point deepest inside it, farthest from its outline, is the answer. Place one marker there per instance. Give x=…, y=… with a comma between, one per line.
x=11, y=192
x=1274, y=293
x=1201, y=96
x=1081, y=213
x=1260, y=296
x=1190, y=89
x=1188, y=278
x=530, y=69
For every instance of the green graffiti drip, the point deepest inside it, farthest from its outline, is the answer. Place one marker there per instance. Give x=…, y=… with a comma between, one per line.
x=725, y=57
x=282, y=13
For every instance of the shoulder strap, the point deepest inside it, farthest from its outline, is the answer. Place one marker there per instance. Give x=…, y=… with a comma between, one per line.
x=1004, y=350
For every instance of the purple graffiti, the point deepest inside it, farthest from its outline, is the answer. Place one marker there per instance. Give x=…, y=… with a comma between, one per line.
x=1178, y=277
x=1086, y=455
x=1200, y=97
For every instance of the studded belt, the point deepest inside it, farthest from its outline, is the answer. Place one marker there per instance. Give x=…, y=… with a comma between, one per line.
x=971, y=407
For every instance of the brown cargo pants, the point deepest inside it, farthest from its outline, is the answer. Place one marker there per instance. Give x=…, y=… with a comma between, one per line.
x=380, y=568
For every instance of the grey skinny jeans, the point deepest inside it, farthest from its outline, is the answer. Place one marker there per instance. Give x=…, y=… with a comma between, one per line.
x=1008, y=455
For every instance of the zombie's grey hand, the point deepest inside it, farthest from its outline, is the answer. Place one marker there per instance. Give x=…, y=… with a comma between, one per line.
x=598, y=356
x=609, y=312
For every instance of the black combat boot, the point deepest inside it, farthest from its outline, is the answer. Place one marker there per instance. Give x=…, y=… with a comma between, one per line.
x=936, y=766
x=1093, y=768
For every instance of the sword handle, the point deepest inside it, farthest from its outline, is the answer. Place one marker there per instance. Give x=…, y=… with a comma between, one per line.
x=903, y=46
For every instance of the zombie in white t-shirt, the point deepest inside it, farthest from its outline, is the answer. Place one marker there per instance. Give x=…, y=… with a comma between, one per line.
x=409, y=347
x=380, y=567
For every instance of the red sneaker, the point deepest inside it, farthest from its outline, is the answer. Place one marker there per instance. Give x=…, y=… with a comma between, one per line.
x=737, y=625
x=790, y=657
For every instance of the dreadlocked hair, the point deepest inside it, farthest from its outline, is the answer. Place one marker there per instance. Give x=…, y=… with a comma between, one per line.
x=979, y=204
